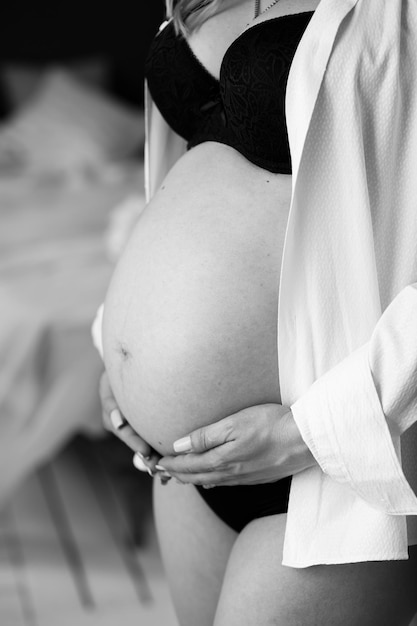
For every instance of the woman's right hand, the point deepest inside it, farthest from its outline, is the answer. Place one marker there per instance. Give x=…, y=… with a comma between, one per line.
x=146, y=458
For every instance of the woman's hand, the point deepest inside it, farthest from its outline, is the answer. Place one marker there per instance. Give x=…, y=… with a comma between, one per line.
x=259, y=444
x=145, y=458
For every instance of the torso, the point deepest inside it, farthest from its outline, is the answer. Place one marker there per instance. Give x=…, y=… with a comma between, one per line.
x=212, y=40
x=190, y=315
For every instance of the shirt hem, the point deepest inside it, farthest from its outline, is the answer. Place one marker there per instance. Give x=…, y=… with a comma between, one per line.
x=340, y=560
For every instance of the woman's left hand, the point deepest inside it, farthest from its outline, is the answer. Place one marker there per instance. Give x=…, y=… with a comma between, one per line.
x=259, y=444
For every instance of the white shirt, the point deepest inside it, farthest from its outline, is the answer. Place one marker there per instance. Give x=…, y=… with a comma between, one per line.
x=347, y=321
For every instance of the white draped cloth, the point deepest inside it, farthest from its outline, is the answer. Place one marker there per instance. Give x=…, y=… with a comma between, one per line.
x=347, y=321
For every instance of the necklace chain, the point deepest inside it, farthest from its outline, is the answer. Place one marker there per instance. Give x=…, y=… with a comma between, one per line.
x=258, y=11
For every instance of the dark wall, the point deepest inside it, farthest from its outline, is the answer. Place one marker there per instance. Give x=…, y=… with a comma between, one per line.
x=43, y=31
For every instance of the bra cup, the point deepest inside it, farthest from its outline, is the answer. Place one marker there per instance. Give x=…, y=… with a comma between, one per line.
x=179, y=84
x=245, y=108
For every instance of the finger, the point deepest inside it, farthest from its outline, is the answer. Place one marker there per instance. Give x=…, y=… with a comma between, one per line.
x=208, y=480
x=182, y=464
x=125, y=431
x=206, y=438
x=151, y=467
x=108, y=403
x=204, y=463
x=139, y=462
x=162, y=471
x=97, y=331
x=117, y=420
x=120, y=427
x=106, y=394
x=116, y=423
x=136, y=443
x=141, y=465
x=152, y=460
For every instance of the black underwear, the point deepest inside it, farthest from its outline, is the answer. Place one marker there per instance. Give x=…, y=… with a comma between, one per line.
x=245, y=108
x=237, y=506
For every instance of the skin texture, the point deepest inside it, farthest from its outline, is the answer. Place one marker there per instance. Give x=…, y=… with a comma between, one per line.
x=189, y=326
x=208, y=565
x=239, y=433
x=221, y=578
x=266, y=439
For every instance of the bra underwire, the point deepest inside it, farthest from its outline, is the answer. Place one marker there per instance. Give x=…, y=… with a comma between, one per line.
x=245, y=107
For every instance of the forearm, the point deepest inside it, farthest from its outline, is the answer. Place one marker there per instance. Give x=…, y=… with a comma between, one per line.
x=351, y=417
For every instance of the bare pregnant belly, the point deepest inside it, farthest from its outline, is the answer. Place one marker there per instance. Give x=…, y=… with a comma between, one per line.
x=189, y=329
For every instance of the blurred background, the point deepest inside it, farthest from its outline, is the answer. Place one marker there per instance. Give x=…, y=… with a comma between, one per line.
x=77, y=542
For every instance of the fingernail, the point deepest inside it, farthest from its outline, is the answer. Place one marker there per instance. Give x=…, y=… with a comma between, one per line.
x=165, y=474
x=208, y=486
x=162, y=470
x=117, y=420
x=143, y=458
x=183, y=445
x=139, y=463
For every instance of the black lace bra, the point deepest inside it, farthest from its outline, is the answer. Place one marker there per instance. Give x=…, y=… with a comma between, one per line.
x=245, y=108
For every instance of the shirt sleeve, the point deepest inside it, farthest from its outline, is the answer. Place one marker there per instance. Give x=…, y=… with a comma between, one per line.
x=352, y=416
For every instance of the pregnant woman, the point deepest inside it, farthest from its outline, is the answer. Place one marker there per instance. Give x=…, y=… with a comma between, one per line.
x=190, y=333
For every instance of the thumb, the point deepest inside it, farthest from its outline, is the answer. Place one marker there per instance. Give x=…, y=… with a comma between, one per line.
x=203, y=439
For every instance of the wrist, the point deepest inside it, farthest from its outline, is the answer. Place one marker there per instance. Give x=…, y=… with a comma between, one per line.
x=300, y=451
